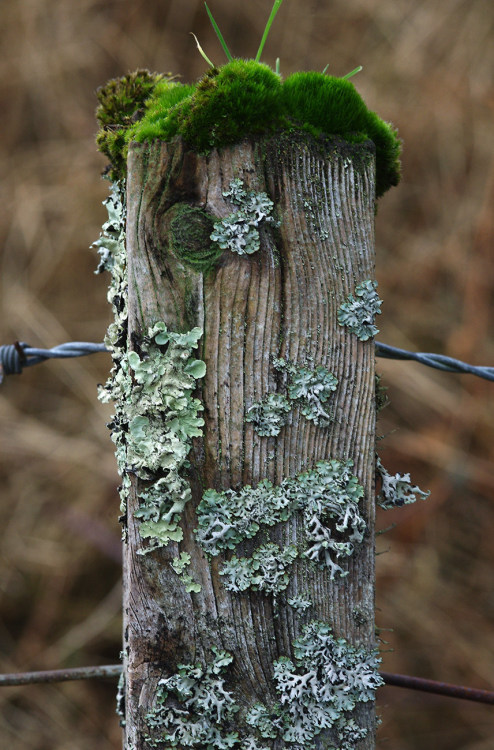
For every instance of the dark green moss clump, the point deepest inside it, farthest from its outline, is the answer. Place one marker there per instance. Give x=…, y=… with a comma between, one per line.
x=244, y=98
x=190, y=232
x=121, y=104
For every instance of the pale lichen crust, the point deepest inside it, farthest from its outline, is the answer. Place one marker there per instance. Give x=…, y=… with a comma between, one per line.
x=327, y=498
x=306, y=387
x=113, y=258
x=310, y=388
x=358, y=313
x=397, y=490
x=239, y=231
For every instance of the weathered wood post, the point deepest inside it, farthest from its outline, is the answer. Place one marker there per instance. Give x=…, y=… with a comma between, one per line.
x=280, y=302
x=244, y=387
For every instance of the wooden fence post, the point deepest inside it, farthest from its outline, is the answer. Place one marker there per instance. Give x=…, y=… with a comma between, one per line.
x=249, y=661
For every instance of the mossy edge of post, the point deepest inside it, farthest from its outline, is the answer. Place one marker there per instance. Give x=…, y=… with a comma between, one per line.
x=241, y=99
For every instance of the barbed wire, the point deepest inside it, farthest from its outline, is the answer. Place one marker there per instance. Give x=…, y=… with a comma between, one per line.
x=110, y=671
x=439, y=361
x=14, y=357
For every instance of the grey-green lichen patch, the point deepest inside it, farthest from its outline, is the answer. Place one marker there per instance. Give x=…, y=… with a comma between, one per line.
x=315, y=692
x=327, y=498
x=180, y=565
x=239, y=231
x=269, y=415
x=358, y=313
x=300, y=603
x=326, y=680
x=397, y=490
x=156, y=418
x=267, y=570
x=193, y=708
x=113, y=258
x=309, y=388
x=250, y=743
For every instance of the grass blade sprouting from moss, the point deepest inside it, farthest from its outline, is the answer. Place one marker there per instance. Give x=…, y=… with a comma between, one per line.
x=219, y=34
x=353, y=72
x=325, y=69
x=274, y=11
x=202, y=51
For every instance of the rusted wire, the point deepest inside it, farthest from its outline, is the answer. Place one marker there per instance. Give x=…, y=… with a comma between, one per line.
x=441, y=688
x=62, y=675
x=115, y=670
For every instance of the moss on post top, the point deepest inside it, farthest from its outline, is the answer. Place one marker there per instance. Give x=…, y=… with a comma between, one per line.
x=241, y=99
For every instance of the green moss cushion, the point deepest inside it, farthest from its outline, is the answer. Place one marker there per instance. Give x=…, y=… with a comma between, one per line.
x=242, y=99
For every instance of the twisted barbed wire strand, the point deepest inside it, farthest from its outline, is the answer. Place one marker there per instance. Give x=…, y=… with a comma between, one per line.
x=439, y=361
x=14, y=357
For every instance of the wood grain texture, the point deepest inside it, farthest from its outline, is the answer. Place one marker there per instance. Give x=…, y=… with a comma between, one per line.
x=280, y=301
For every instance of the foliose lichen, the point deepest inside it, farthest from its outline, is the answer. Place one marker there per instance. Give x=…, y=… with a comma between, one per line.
x=358, y=313
x=397, y=490
x=192, y=708
x=267, y=570
x=327, y=679
x=155, y=419
x=239, y=231
x=316, y=690
x=309, y=388
x=120, y=708
x=250, y=743
x=269, y=415
x=299, y=603
x=180, y=565
x=155, y=413
x=113, y=258
x=306, y=387
x=327, y=498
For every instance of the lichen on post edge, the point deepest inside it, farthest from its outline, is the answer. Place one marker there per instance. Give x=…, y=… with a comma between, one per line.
x=156, y=415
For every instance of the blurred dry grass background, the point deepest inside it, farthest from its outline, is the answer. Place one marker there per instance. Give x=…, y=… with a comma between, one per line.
x=428, y=67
